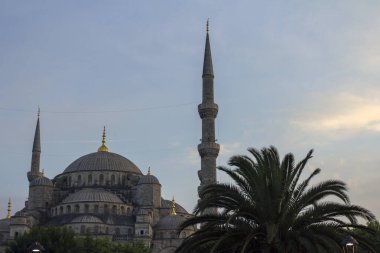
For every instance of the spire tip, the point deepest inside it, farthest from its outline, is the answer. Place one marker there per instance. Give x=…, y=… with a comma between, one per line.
x=207, y=25
x=173, y=210
x=103, y=148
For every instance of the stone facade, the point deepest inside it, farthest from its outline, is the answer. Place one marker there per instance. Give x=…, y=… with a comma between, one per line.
x=101, y=194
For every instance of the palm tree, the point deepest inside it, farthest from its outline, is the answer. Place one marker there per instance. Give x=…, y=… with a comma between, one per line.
x=271, y=207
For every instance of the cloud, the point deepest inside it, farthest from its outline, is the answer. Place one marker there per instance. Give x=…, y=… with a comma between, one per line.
x=229, y=149
x=342, y=114
x=192, y=157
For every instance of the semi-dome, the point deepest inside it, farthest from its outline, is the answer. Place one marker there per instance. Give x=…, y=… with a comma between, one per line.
x=41, y=181
x=170, y=222
x=148, y=179
x=92, y=195
x=103, y=161
x=86, y=219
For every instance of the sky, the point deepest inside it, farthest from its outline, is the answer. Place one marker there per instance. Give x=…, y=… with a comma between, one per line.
x=298, y=75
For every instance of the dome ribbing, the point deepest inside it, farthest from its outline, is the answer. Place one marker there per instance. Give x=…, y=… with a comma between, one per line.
x=102, y=161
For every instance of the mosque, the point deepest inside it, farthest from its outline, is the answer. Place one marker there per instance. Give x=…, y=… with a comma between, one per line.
x=105, y=195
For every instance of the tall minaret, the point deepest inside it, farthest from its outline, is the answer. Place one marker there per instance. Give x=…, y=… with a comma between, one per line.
x=208, y=148
x=36, y=153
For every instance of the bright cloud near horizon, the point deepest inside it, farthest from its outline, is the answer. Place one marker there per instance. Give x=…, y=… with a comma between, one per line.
x=296, y=75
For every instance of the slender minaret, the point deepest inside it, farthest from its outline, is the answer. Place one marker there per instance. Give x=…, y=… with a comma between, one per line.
x=36, y=152
x=208, y=148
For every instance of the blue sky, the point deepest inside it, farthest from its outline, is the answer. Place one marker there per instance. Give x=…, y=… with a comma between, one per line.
x=294, y=74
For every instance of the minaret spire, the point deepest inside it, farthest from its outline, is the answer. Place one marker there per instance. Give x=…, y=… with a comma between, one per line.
x=207, y=63
x=208, y=148
x=36, y=152
x=9, y=209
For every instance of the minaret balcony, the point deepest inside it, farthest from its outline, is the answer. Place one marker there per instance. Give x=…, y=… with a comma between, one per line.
x=208, y=149
x=208, y=110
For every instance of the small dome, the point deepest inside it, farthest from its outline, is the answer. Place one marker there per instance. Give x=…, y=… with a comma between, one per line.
x=102, y=161
x=41, y=181
x=92, y=195
x=170, y=222
x=148, y=179
x=86, y=219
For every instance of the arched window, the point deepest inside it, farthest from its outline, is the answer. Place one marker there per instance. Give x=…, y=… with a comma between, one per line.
x=68, y=209
x=114, y=209
x=96, y=208
x=101, y=179
x=113, y=180
x=76, y=209
x=79, y=180
x=106, y=208
x=61, y=210
x=117, y=231
x=122, y=210
x=128, y=211
x=69, y=181
x=82, y=229
x=89, y=179
x=86, y=208
x=129, y=231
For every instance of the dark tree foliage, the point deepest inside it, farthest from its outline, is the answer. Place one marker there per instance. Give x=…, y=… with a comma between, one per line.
x=271, y=207
x=62, y=240
x=373, y=236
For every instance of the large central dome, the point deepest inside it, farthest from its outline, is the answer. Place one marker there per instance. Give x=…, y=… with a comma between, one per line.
x=103, y=161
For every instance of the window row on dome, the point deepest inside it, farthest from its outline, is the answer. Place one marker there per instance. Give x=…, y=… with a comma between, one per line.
x=93, y=179
x=92, y=208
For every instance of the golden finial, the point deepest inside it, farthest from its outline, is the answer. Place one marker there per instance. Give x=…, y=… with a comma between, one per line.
x=207, y=25
x=103, y=148
x=149, y=173
x=172, y=209
x=9, y=209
